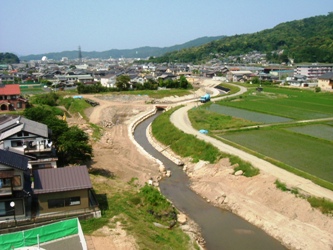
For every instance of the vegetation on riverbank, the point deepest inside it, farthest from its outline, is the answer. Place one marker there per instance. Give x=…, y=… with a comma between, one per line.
x=324, y=205
x=186, y=145
x=136, y=209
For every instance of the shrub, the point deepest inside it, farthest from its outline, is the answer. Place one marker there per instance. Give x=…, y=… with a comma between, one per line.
x=280, y=185
x=246, y=167
x=324, y=205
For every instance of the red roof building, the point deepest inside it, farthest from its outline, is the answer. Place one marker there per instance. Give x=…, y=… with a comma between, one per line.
x=10, y=98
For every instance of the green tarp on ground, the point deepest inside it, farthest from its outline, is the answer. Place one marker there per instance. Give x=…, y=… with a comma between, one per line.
x=12, y=240
x=45, y=233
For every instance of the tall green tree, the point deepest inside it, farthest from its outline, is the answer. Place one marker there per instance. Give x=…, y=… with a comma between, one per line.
x=183, y=83
x=73, y=147
x=123, y=82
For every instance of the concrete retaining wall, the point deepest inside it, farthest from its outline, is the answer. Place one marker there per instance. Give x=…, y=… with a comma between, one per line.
x=131, y=129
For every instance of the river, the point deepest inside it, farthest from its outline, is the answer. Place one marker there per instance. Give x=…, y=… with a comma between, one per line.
x=221, y=229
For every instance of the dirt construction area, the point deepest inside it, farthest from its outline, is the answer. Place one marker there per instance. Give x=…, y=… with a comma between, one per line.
x=281, y=214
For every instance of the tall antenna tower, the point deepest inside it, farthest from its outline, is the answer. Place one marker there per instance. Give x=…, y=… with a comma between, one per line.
x=80, y=55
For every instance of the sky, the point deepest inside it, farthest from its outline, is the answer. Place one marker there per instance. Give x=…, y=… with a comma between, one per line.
x=44, y=26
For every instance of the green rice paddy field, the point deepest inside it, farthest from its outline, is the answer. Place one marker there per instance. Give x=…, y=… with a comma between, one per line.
x=290, y=103
x=297, y=150
x=307, y=147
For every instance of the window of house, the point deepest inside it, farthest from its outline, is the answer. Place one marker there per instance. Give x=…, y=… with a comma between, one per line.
x=19, y=105
x=7, y=210
x=56, y=203
x=5, y=182
x=16, y=144
x=22, y=133
x=16, y=181
x=64, y=202
x=74, y=201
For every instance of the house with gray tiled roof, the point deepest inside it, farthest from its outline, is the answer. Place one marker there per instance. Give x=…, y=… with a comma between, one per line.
x=29, y=138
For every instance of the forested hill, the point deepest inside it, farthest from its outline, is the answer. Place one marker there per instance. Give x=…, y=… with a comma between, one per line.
x=306, y=40
x=8, y=58
x=142, y=52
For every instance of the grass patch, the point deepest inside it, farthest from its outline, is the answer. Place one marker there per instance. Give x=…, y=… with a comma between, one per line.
x=246, y=167
x=101, y=172
x=204, y=119
x=97, y=131
x=78, y=106
x=324, y=205
x=280, y=185
x=183, y=144
x=91, y=225
x=137, y=209
x=233, y=89
x=186, y=145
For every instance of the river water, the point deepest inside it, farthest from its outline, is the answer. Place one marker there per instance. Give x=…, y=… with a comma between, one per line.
x=221, y=229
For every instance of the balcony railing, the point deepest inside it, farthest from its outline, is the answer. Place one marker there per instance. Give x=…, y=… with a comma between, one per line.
x=37, y=146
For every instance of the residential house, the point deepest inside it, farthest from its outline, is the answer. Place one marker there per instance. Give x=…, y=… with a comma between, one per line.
x=4, y=78
x=136, y=79
x=62, y=190
x=10, y=98
x=73, y=78
x=167, y=76
x=325, y=81
x=14, y=193
x=240, y=75
x=28, y=138
x=108, y=81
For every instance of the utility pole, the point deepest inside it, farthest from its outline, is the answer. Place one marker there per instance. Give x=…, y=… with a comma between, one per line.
x=80, y=55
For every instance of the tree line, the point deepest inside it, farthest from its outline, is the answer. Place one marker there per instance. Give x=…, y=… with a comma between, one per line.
x=123, y=84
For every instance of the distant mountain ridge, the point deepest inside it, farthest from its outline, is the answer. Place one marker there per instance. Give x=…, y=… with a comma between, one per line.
x=142, y=52
x=306, y=40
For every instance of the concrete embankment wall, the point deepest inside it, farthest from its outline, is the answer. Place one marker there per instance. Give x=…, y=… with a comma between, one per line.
x=158, y=146
x=131, y=128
